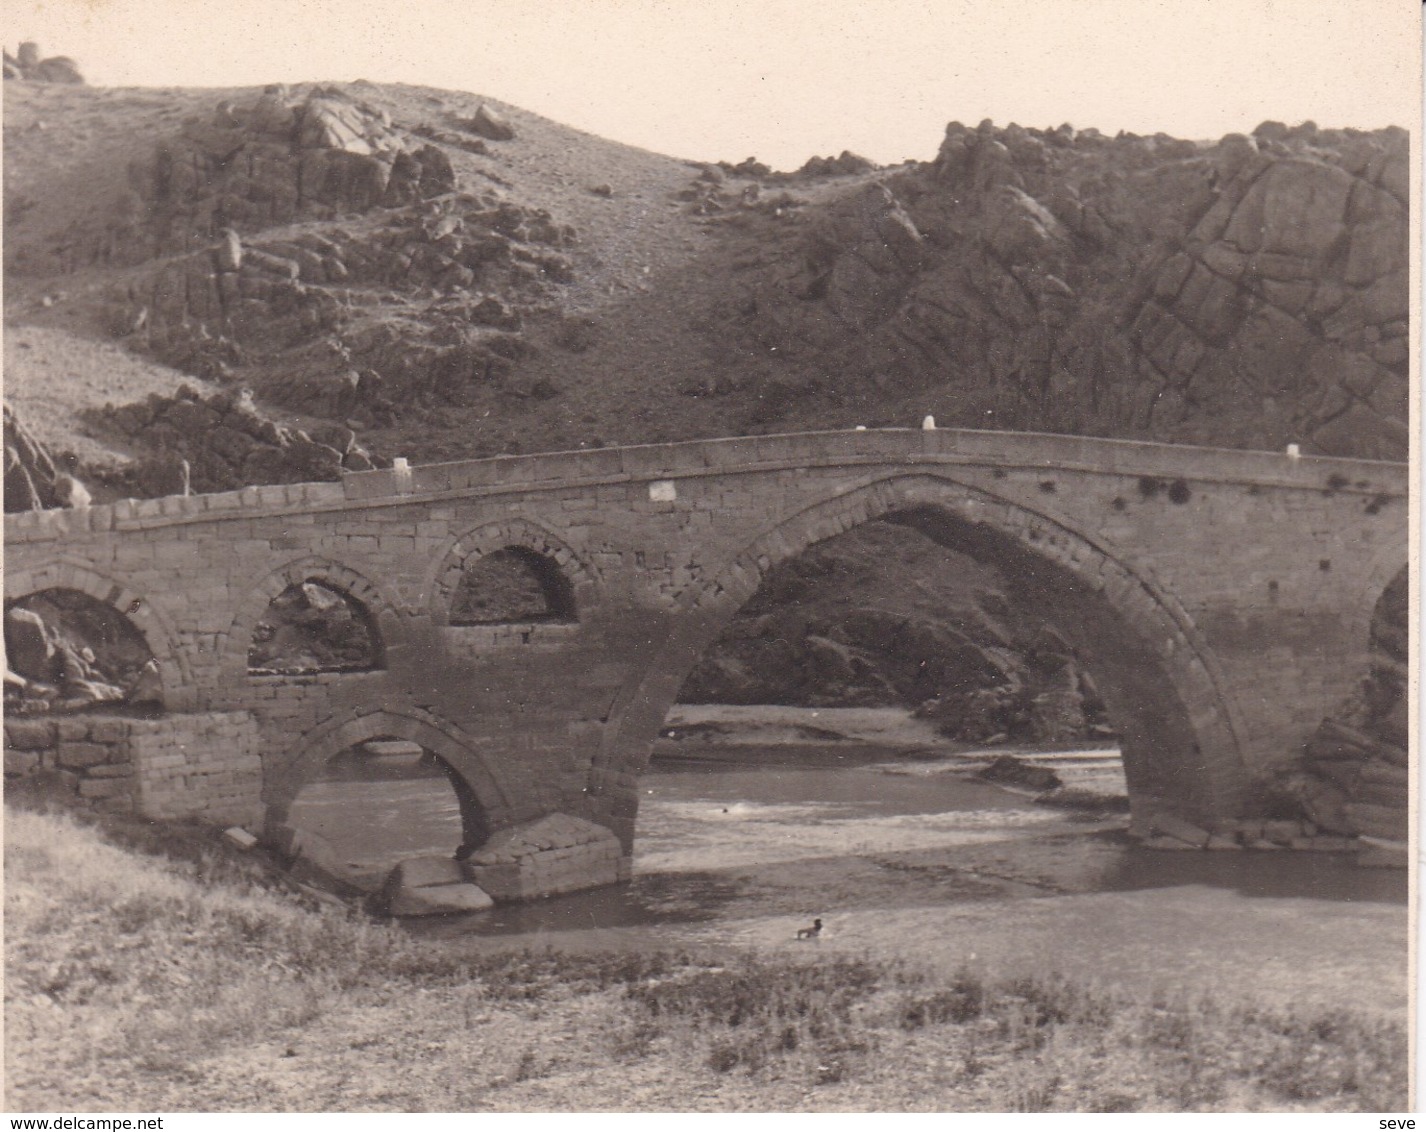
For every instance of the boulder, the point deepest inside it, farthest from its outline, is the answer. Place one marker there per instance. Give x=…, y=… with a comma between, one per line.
x=29, y=647
x=489, y=125
x=437, y=174
x=57, y=69
x=430, y=886
x=1007, y=770
x=30, y=469
x=439, y=900
x=1383, y=853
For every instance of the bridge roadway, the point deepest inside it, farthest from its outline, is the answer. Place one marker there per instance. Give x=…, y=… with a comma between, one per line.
x=1221, y=599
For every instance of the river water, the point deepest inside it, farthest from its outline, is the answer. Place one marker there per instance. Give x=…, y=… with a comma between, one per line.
x=750, y=832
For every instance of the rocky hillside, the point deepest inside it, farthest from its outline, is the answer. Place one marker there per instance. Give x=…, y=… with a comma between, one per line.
x=448, y=276
x=1246, y=294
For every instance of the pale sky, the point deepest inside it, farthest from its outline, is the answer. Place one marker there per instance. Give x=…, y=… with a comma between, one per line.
x=783, y=79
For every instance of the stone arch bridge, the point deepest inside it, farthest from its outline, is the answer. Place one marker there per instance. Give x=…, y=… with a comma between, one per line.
x=1221, y=599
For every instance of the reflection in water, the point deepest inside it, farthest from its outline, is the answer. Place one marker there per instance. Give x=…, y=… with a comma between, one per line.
x=375, y=809
x=1320, y=876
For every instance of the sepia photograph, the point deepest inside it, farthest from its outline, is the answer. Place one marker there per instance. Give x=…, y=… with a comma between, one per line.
x=808, y=556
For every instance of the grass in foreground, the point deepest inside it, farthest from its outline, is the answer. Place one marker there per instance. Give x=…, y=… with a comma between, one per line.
x=176, y=980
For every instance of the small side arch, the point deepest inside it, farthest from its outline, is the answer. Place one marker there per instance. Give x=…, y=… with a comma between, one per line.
x=175, y=671
x=385, y=621
x=483, y=801
x=571, y=584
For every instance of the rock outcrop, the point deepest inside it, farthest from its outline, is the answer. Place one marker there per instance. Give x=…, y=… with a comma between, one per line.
x=31, y=474
x=335, y=316
x=66, y=651
x=220, y=443
x=1248, y=293
x=27, y=64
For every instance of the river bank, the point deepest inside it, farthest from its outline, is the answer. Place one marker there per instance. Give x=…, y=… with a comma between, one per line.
x=152, y=982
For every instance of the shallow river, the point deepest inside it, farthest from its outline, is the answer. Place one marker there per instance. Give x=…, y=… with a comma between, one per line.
x=911, y=860
x=720, y=837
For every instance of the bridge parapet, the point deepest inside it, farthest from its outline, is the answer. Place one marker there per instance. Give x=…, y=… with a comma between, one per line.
x=572, y=470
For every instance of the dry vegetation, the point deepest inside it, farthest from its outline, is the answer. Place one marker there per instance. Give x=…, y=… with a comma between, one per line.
x=147, y=970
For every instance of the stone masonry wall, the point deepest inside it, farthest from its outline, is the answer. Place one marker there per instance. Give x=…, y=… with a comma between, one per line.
x=205, y=765
x=86, y=757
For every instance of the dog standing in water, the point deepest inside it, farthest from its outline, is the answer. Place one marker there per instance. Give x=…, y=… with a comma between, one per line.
x=810, y=933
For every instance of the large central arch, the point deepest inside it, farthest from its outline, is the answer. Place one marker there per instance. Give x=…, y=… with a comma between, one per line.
x=1178, y=733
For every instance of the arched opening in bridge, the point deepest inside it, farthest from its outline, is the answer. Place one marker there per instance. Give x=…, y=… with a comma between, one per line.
x=379, y=802
x=513, y=585
x=930, y=678
x=1386, y=704
x=68, y=651
x=311, y=626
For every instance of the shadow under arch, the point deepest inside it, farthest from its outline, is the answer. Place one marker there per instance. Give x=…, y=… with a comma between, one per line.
x=381, y=614
x=1162, y=687
x=483, y=802
x=176, y=686
x=576, y=575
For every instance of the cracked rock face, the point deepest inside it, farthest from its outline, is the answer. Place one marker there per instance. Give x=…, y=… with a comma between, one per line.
x=1248, y=293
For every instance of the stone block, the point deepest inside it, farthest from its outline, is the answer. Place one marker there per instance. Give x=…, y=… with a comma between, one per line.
x=1172, y=843
x=21, y=762
x=1174, y=826
x=71, y=730
x=438, y=900
x=79, y=756
x=111, y=770
x=108, y=730
x=1222, y=841
x=102, y=787
x=502, y=881
x=423, y=872
x=29, y=734
x=1378, y=853
x=239, y=837
x=555, y=853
